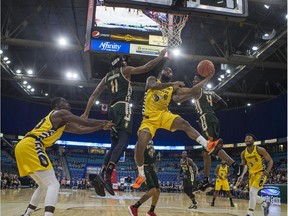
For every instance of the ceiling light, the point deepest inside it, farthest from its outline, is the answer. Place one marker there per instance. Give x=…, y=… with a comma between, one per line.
x=74, y=76
x=46, y=94
x=178, y=104
x=1, y=52
x=28, y=87
x=222, y=76
x=248, y=104
x=18, y=71
x=193, y=101
x=254, y=48
x=8, y=62
x=228, y=71
x=209, y=86
x=267, y=6
x=219, y=79
x=176, y=52
x=131, y=105
x=69, y=75
x=286, y=16
x=32, y=90
x=24, y=82
x=5, y=58
x=97, y=102
x=62, y=41
x=29, y=71
x=80, y=87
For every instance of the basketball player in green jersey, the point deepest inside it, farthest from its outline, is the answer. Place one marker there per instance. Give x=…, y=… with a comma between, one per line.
x=151, y=181
x=209, y=123
x=190, y=171
x=119, y=85
x=222, y=173
x=31, y=156
x=253, y=160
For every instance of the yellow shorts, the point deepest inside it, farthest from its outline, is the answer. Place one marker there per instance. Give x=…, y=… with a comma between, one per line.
x=222, y=183
x=254, y=180
x=28, y=159
x=154, y=121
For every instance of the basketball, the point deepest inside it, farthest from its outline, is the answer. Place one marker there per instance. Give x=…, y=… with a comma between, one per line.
x=205, y=68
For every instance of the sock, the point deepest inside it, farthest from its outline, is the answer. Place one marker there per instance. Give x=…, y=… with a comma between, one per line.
x=205, y=180
x=30, y=209
x=48, y=214
x=152, y=208
x=109, y=171
x=137, y=205
x=231, y=201
x=141, y=171
x=202, y=141
x=213, y=200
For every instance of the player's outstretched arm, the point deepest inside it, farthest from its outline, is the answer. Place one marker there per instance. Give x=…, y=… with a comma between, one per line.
x=93, y=98
x=77, y=129
x=267, y=157
x=144, y=68
x=183, y=94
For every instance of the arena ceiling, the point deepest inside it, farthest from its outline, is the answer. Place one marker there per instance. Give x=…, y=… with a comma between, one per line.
x=30, y=30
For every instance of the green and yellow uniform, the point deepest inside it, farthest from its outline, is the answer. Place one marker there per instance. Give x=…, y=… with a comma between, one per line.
x=149, y=167
x=34, y=145
x=222, y=180
x=120, y=111
x=208, y=121
x=155, y=110
x=189, y=179
x=255, y=167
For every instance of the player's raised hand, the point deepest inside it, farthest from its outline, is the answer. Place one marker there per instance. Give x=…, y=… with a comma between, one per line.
x=163, y=52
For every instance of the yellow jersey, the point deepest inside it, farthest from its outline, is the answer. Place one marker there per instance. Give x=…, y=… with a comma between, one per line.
x=223, y=171
x=157, y=100
x=45, y=133
x=254, y=161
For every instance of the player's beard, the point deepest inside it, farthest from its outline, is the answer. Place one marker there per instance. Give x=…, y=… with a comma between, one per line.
x=249, y=144
x=165, y=78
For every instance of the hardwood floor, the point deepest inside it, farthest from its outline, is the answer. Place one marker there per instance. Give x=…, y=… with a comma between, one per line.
x=86, y=203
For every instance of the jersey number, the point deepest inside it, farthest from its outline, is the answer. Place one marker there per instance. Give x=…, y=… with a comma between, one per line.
x=114, y=86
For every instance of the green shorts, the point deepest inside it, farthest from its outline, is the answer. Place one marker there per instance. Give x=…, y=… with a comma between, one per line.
x=121, y=115
x=151, y=177
x=187, y=183
x=210, y=126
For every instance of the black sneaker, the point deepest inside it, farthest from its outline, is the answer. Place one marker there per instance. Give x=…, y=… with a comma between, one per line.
x=193, y=206
x=99, y=189
x=232, y=205
x=206, y=187
x=107, y=185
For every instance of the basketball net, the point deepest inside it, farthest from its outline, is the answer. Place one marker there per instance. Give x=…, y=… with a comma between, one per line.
x=172, y=27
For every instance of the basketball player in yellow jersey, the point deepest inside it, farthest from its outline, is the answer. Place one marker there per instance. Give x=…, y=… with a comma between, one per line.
x=222, y=173
x=252, y=158
x=159, y=93
x=31, y=155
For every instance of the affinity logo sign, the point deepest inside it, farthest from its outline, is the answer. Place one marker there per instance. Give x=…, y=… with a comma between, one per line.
x=108, y=46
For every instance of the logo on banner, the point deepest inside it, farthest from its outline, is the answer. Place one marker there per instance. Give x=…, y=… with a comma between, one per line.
x=108, y=46
x=97, y=34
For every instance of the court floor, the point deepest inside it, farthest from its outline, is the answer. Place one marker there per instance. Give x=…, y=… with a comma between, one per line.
x=86, y=203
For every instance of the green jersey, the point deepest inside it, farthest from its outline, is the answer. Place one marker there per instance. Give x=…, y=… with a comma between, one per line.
x=204, y=104
x=186, y=168
x=149, y=155
x=118, y=85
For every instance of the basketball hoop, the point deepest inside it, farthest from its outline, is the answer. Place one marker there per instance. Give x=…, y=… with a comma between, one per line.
x=171, y=28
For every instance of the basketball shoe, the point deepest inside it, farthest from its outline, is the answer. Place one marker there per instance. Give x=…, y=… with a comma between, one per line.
x=133, y=211
x=139, y=180
x=213, y=144
x=150, y=214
